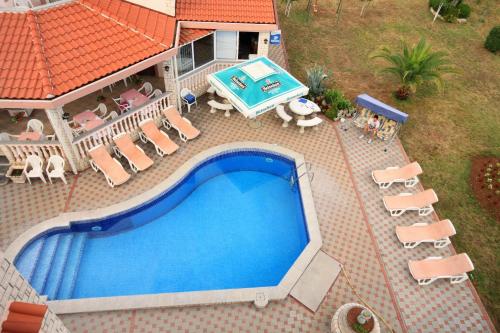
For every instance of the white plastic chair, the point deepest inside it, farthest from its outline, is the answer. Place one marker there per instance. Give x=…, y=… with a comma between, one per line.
x=55, y=162
x=112, y=115
x=123, y=107
x=156, y=93
x=34, y=168
x=147, y=87
x=34, y=125
x=186, y=92
x=101, y=109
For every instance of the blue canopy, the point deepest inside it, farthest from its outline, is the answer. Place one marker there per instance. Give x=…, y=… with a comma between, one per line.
x=380, y=108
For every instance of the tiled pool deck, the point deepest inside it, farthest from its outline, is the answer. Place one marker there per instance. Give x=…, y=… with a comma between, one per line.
x=355, y=229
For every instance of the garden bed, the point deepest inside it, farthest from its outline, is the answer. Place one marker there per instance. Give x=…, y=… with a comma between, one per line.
x=485, y=183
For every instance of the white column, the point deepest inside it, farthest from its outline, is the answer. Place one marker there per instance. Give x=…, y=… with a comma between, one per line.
x=263, y=48
x=64, y=135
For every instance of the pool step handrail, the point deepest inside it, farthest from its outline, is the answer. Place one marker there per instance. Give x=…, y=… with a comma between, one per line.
x=306, y=172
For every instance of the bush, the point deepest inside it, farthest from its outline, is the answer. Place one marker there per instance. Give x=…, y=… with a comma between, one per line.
x=332, y=96
x=493, y=40
x=463, y=10
x=331, y=113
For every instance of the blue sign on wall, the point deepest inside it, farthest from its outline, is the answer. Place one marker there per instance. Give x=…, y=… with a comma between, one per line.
x=275, y=38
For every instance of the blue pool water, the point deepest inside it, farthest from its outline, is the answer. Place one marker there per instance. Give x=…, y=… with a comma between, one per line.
x=232, y=222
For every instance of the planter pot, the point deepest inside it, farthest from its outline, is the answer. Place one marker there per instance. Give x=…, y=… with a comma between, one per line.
x=16, y=174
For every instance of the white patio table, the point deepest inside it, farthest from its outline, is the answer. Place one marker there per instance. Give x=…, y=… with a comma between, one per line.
x=303, y=107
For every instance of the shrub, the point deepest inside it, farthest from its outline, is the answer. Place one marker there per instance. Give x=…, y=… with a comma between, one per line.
x=332, y=96
x=463, y=10
x=331, y=113
x=493, y=40
x=315, y=80
x=344, y=104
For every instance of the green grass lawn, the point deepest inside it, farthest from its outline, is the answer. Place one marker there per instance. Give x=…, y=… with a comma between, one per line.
x=446, y=130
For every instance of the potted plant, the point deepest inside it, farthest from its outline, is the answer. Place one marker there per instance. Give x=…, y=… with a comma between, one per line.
x=101, y=98
x=16, y=174
x=360, y=320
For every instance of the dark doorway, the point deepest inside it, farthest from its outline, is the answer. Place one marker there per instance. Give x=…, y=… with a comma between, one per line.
x=248, y=43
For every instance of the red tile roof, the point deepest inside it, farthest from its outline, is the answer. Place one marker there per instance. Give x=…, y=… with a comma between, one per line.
x=50, y=52
x=188, y=35
x=238, y=11
x=46, y=53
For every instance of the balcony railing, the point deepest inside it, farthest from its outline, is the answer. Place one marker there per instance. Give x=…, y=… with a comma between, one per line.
x=17, y=151
x=127, y=122
x=196, y=80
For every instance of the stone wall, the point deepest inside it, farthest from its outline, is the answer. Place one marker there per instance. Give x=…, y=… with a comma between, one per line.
x=13, y=287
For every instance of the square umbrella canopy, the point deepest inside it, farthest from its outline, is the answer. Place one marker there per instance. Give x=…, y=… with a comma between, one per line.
x=256, y=86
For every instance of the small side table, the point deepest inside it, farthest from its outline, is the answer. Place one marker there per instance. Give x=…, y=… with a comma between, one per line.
x=339, y=321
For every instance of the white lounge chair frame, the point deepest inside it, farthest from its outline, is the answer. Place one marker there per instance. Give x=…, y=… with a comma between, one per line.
x=118, y=153
x=146, y=139
x=168, y=126
x=454, y=279
x=96, y=168
x=57, y=163
x=36, y=164
x=438, y=244
x=424, y=211
x=411, y=182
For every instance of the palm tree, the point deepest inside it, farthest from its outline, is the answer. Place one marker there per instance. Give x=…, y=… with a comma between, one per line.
x=414, y=66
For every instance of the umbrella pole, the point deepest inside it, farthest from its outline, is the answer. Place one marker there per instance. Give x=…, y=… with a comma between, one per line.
x=254, y=123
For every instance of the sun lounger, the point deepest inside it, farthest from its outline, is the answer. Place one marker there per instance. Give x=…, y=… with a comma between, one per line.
x=407, y=174
x=422, y=201
x=161, y=141
x=102, y=161
x=137, y=159
x=429, y=270
x=183, y=126
x=438, y=233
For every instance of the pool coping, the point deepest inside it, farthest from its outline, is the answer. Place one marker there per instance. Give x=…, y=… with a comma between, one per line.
x=260, y=296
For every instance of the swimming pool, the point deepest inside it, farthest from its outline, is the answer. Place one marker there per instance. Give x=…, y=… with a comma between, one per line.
x=235, y=221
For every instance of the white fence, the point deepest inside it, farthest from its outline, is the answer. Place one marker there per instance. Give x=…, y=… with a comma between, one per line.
x=126, y=122
x=196, y=80
x=17, y=151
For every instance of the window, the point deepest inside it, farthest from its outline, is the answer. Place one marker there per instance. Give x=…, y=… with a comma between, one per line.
x=248, y=43
x=203, y=50
x=227, y=43
x=185, y=59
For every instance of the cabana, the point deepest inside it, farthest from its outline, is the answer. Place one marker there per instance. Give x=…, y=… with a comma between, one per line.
x=390, y=118
x=256, y=86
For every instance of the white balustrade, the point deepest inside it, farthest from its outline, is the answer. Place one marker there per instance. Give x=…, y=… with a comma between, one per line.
x=196, y=80
x=127, y=122
x=17, y=151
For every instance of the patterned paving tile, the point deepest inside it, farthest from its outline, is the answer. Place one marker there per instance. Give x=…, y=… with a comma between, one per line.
x=365, y=244
x=439, y=307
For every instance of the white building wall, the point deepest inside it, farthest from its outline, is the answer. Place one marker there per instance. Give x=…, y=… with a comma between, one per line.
x=263, y=48
x=162, y=6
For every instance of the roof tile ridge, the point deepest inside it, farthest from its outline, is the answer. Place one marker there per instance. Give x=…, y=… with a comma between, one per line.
x=42, y=64
x=98, y=11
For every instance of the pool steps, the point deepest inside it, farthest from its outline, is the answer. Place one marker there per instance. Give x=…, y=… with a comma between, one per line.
x=44, y=262
x=27, y=264
x=58, y=265
x=72, y=265
x=52, y=264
